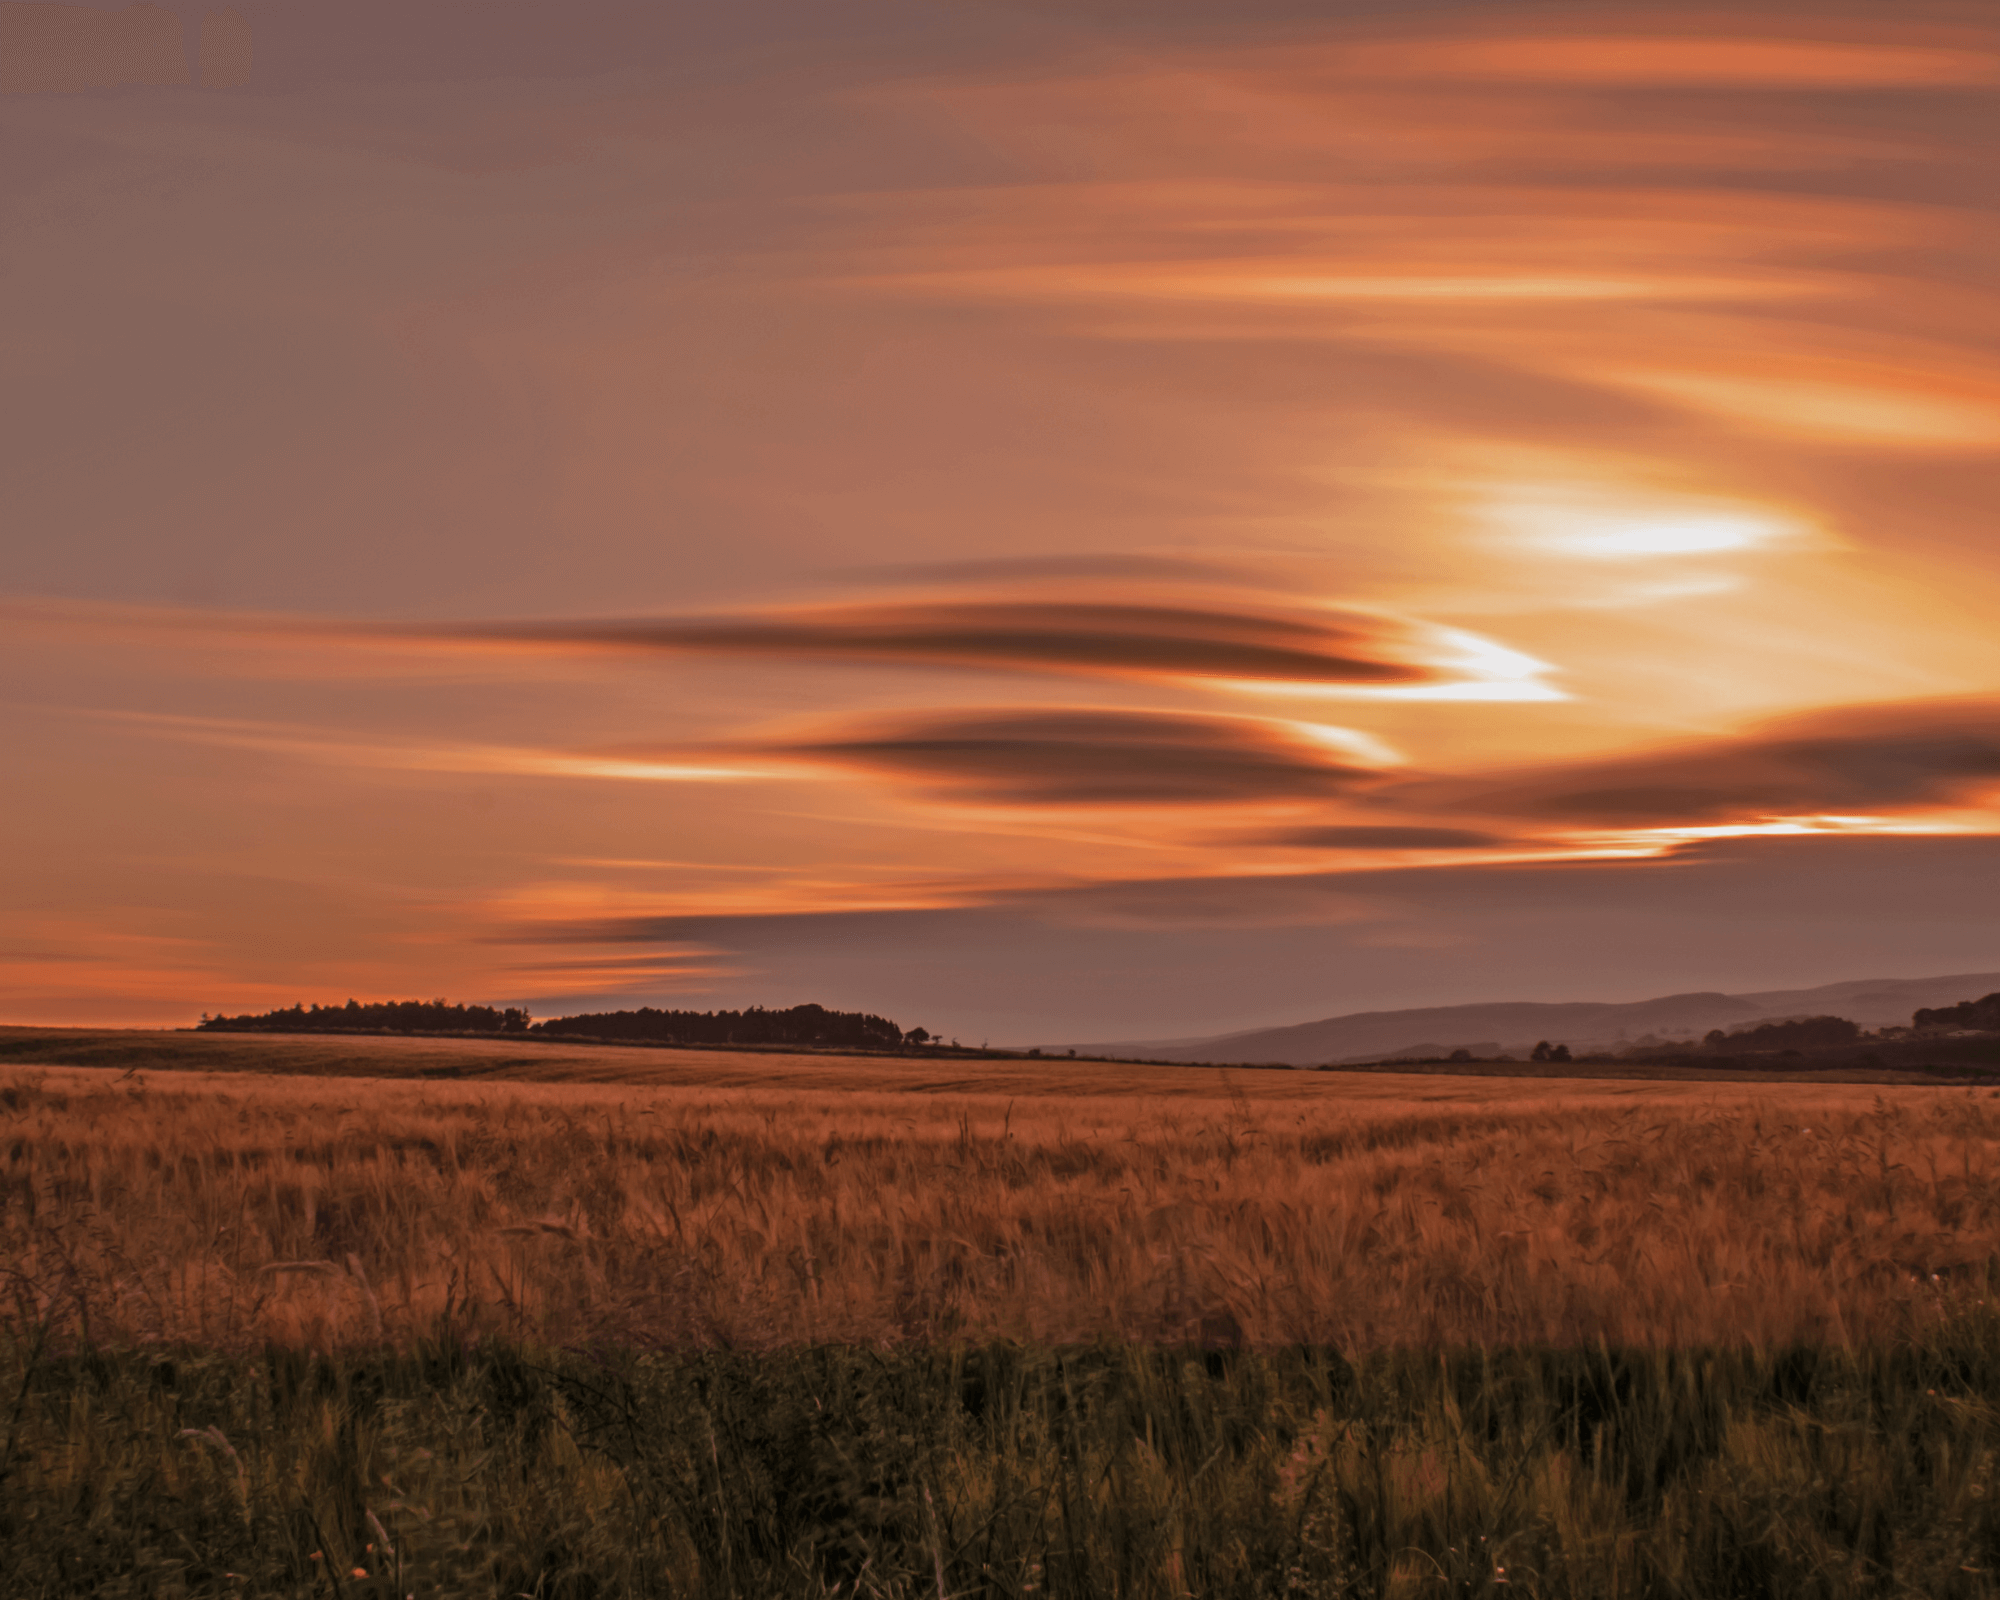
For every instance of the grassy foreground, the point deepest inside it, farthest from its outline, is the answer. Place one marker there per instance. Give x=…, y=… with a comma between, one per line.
x=720, y=1326
x=1007, y=1471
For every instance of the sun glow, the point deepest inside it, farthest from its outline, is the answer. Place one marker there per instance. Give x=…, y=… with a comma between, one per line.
x=1609, y=527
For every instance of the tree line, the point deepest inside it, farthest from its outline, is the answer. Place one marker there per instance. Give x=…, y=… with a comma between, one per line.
x=797, y=1025
x=392, y=1016
x=1803, y=1035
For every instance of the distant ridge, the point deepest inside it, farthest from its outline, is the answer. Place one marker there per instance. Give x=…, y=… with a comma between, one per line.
x=1582, y=1025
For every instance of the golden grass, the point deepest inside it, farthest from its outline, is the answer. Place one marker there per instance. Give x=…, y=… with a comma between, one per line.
x=751, y=1200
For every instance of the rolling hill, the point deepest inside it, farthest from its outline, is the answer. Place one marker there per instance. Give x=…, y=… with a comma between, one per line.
x=1516, y=1025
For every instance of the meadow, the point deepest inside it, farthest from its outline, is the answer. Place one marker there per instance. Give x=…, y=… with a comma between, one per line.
x=591, y=1321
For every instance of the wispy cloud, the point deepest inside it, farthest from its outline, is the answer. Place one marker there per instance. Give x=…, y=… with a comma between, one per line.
x=1068, y=757
x=1087, y=638
x=1495, y=204
x=1383, y=836
x=665, y=967
x=1179, y=637
x=1848, y=762
x=1391, y=841
x=1681, y=58
x=1126, y=567
x=445, y=756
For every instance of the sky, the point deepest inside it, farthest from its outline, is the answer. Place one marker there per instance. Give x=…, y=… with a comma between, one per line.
x=1048, y=522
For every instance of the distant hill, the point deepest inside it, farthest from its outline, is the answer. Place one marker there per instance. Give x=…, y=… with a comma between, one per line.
x=1582, y=1025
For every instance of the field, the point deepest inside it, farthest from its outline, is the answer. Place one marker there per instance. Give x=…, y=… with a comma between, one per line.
x=698, y=1198
x=759, y=1324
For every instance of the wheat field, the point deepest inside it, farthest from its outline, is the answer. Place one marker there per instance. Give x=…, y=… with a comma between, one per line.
x=695, y=1199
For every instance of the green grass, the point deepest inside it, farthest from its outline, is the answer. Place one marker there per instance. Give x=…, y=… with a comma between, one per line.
x=1004, y=1471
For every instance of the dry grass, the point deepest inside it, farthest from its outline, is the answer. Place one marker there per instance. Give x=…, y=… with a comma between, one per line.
x=761, y=1200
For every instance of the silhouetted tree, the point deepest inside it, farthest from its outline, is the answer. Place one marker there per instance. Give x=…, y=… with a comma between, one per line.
x=800, y=1025
x=1804, y=1033
x=1981, y=1014
x=389, y=1016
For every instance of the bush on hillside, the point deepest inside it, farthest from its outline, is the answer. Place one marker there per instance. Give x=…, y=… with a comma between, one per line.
x=1805, y=1033
x=1983, y=1014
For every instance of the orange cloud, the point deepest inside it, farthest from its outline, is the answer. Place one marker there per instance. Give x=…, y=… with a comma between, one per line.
x=1065, y=757
x=1091, y=638
x=437, y=755
x=664, y=968
x=1381, y=836
x=1471, y=192
x=1846, y=763
x=1144, y=639
x=1672, y=295
x=1673, y=60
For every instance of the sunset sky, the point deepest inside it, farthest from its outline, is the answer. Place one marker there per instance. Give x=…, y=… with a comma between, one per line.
x=1048, y=521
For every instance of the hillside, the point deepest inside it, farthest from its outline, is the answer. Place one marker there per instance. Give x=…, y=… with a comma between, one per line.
x=1583, y=1025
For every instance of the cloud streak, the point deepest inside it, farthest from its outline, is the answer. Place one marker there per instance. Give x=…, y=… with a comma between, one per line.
x=1153, y=639
x=1858, y=759
x=1066, y=757
x=441, y=756
x=1382, y=836
x=1495, y=205
x=1682, y=59
x=1857, y=768
x=1088, y=638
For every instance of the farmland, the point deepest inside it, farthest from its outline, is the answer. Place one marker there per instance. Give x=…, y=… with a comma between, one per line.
x=747, y=1200
x=1400, y=1287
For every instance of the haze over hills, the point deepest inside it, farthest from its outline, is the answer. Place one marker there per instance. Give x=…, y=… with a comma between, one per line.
x=1513, y=1027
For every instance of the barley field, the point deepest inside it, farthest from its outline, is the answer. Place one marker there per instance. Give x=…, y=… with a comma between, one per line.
x=381, y=1318
x=695, y=1199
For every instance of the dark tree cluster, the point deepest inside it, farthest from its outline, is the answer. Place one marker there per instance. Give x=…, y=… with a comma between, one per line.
x=385, y=1016
x=1982, y=1014
x=800, y=1025
x=1807, y=1033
